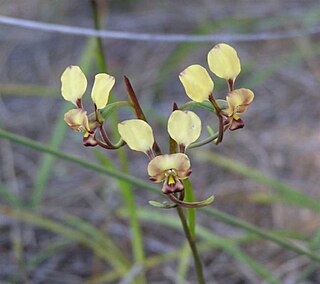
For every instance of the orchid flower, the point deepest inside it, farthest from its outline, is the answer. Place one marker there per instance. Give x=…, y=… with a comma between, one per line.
x=224, y=62
x=73, y=87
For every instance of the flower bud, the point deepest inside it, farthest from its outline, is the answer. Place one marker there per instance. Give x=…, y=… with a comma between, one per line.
x=77, y=119
x=239, y=100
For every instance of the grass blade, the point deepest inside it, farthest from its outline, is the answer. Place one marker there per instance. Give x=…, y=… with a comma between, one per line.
x=99, y=237
x=206, y=235
x=47, y=162
x=66, y=231
x=288, y=194
x=10, y=197
x=141, y=184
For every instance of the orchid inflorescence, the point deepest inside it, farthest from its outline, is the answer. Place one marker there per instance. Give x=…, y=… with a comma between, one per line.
x=184, y=126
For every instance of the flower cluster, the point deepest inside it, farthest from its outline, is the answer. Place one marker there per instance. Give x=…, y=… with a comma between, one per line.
x=184, y=126
x=73, y=87
x=224, y=62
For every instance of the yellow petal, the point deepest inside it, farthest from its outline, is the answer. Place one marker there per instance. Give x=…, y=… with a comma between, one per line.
x=196, y=82
x=102, y=86
x=223, y=61
x=137, y=134
x=239, y=100
x=178, y=162
x=77, y=119
x=184, y=127
x=74, y=84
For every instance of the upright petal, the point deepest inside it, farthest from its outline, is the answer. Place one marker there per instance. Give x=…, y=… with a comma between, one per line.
x=73, y=84
x=196, y=82
x=137, y=134
x=184, y=127
x=77, y=119
x=223, y=61
x=102, y=86
x=239, y=100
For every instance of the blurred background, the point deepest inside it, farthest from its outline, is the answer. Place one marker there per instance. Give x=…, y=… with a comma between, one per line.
x=250, y=173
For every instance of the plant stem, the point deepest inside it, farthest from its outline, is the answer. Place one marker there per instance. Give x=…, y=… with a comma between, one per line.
x=192, y=243
x=218, y=114
x=101, y=59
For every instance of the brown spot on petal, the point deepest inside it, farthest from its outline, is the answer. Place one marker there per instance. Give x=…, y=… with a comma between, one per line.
x=188, y=173
x=88, y=140
x=236, y=124
x=154, y=179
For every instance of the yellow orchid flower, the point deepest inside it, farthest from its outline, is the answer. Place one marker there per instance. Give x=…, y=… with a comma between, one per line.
x=184, y=127
x=73, y=87
x=238, y=102
x=77, y=119
x=171, y=169
x=223, y=61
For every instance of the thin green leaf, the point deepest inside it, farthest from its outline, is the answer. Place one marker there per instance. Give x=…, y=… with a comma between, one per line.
x=66, y=231
x=10, y=197
x=288, y=194
x=100, y=237
x=184, y=261
x=128, y=196
x=234, y=221
x=59, y=130
x=141, y=184
x=47, y=161
x=205, y=234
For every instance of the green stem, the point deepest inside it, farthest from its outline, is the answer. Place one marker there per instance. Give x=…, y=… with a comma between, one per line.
x=192, y=243
x=218, y=114
x=204, y=141
x=101, y=60
x=189, y=230
x=111, y=107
